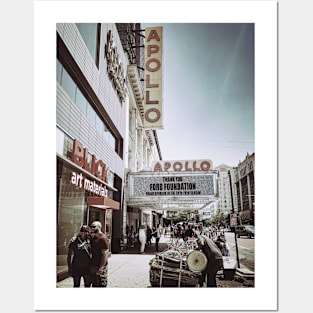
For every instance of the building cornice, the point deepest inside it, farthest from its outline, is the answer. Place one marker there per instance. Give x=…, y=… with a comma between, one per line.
x=134, y=80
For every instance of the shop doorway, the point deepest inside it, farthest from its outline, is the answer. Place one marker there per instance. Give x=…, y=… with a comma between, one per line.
x=102, y=215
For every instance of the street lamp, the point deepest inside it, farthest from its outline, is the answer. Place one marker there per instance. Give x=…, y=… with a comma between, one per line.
x=233, y=228
x=231, y=193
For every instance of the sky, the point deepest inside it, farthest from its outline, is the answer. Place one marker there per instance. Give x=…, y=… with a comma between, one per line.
x=208, y=92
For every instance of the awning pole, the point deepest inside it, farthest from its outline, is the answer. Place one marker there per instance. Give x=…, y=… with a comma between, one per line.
x=87, y=213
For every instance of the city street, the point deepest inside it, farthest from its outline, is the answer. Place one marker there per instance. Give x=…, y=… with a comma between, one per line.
x=130, y=269
x=245, y=249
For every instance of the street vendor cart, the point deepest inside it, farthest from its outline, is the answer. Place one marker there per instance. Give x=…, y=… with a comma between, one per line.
x=178, y=266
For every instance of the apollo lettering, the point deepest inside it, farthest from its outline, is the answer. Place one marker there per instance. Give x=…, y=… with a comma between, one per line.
x=153, y=75
x=179, y=166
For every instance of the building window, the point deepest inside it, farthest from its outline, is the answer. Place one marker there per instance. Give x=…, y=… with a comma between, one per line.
x=69, y=86
x=99, y=125
x=70, y=210
x=64, y=144
x=243, y=171
x=89, y=33
x=59, y=71
x=250, y=166
x=91, y=115
x=68, y=147
x=81, y=101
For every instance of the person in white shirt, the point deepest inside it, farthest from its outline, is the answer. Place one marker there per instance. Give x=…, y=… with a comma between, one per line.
x=142, y=238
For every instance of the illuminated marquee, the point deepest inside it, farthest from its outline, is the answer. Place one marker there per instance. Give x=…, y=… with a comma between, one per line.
x=153, y=78
x=165, y=186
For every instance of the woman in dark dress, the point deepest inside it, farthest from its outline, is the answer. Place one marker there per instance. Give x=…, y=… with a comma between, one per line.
x=149, y=235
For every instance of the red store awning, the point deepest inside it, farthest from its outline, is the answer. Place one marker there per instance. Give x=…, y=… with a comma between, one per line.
x=103, y=203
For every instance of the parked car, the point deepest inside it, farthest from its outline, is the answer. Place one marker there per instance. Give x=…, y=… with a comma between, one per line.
x=245, y=230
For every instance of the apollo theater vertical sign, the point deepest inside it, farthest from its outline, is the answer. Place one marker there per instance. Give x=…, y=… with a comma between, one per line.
x=153, y=116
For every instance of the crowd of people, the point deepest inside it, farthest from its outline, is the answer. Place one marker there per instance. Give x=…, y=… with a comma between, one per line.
x=88, y=251
x=147, y=235
x=186, y=237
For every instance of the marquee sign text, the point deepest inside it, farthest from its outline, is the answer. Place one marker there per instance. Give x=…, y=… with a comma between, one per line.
x=188, y=185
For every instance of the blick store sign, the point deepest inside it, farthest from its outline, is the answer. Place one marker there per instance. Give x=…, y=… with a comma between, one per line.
x=96, y=167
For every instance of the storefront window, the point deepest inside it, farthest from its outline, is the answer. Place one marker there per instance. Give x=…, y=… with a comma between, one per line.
x=108, y=223
x=68, y=147
x=71, y=209
x=105, y=218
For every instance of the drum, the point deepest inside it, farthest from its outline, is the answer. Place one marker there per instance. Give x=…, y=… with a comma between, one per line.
x=196, y=261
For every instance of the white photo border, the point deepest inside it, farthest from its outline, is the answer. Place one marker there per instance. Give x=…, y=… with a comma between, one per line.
x=264, y=15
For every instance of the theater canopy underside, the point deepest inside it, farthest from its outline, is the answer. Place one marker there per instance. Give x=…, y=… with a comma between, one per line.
x=172, y=190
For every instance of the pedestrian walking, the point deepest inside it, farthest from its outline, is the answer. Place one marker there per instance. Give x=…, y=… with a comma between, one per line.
x=189, y=232
x=142, y=238
x=79, y=257
x=100, y=252
x=201, y=230
x=149, y=235
x=131, y=237
x=157, y=234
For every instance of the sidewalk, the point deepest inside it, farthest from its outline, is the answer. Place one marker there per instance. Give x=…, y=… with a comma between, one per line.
x=130, y=269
